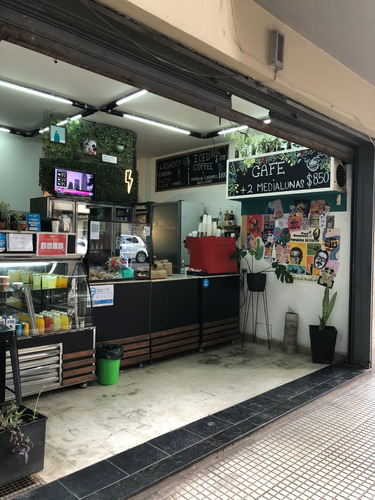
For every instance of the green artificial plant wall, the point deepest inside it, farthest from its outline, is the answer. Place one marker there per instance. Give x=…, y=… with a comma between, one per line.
x=110, y=184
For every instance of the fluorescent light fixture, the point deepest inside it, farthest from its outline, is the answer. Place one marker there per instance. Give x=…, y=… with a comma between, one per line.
x=42, y=130
x=130, y=97
x=3, y=129
x=233, y=129
x=28, y=90
x=60, y=124
x=156, y=124
x=267, y=120
x=75, y=117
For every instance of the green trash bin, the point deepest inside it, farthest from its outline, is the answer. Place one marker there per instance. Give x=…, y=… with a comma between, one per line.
x=108, y=363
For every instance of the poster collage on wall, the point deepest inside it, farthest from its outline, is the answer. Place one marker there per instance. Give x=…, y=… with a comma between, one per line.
x=305, y=239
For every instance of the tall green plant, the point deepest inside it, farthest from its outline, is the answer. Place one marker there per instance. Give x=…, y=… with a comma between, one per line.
x=327, y=306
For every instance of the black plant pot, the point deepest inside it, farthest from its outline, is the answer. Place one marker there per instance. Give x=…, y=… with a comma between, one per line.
x=256, y=282
x=323, y=344
x=12, y=467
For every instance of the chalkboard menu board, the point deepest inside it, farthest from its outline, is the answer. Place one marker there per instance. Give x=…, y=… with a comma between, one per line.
x=193, y=169
x=299, y=170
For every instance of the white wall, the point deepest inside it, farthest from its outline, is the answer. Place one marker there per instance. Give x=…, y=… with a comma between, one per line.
x=305, y=299
x=19, y=170
x=237, y=34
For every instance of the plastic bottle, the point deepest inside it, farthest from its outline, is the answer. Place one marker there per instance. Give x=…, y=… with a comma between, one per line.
x=64, y=321
x=40, y=323
x=15, y=316
x=232, y=220
x=226, y=218
x=48, y=322
x=220, y=219
x=10, y=322
x=56, y=321
x=182, y=270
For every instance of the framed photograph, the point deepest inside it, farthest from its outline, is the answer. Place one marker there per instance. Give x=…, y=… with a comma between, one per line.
x=89, y=146
x=57, y=134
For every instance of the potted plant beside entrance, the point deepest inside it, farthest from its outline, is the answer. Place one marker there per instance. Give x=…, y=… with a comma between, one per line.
x=256, y=280
x=22, y=441
x=323, y=337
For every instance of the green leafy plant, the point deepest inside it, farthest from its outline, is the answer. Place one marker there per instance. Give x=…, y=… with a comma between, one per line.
x=18, y=220
x=257, y=252
x=11, y=419
x=327, y=306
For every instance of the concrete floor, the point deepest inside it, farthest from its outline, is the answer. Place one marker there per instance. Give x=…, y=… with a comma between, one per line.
x=88, y=425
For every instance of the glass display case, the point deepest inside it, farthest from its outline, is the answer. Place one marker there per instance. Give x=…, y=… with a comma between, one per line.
x=39, y=297
x=117, y=250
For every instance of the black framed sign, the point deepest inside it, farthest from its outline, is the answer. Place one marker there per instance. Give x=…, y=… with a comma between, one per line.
x=192, y=169
x=301, y=170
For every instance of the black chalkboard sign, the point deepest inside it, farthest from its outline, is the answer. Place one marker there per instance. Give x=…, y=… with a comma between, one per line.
x=193, y=169
x=300, y=170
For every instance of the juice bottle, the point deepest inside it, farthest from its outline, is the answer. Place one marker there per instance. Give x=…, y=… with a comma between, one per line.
x=48, y=322
x=56, y=321
x=39, y=323
x=64, y=321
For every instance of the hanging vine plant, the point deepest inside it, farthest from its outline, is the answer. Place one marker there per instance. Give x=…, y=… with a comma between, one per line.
x=82, y=151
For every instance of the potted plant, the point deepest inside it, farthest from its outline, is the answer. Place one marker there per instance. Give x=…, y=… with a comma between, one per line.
x=4, y=210
x=323, y=337
x=18, y=220
x=22, y=441
x=256, y=280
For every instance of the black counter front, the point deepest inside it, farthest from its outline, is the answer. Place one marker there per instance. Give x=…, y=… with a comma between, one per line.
x=153, y=319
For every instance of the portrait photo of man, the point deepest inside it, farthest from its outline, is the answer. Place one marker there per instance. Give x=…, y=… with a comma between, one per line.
x=320, y=259
x=296, y=255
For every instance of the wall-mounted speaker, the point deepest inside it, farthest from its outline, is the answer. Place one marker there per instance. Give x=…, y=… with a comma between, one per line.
x=339, y=176
x=277, y=49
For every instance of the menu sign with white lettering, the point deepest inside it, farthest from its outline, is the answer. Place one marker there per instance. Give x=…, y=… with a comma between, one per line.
x=281, y=172
x=193, y=169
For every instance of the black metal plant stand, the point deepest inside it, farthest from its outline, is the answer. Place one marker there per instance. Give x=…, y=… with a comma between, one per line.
x=252, y=303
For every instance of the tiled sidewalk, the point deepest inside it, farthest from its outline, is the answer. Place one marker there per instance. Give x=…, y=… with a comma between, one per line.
x=326, y=451
x=146, y=465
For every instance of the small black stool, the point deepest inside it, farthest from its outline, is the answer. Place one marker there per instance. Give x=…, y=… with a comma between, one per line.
x=8, y=339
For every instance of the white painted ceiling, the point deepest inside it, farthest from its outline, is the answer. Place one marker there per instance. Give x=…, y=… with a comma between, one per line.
x=343, y=29
x=28, y=112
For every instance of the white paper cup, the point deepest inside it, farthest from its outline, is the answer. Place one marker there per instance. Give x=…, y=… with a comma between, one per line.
x=194, y=234
x=219, y=232
x=204, y=220
x=55, y=226
x=209, y=229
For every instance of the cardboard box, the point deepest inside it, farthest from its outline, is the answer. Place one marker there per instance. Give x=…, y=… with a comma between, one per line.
x=164, y=264
x=158, y=274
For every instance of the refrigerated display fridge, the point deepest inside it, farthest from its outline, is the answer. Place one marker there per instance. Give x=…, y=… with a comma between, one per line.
x=171, y=224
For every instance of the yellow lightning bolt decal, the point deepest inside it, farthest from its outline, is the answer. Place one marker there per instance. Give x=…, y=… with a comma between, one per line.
x=128, y=179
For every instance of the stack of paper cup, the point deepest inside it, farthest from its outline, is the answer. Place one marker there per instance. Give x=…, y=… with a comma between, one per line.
x=204, y=225
x=214, y=228
x=209, y=225
x=200, y=230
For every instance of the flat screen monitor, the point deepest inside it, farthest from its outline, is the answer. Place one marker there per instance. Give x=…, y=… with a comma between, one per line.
x=73, y=184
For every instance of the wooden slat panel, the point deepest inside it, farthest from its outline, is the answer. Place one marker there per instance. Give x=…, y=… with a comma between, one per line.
x=220, y=322
x=79, y=362
x=136, y=345
x=219, y=341
x=136, y=352
x=79, y=371
x=79, y=380
x=169, y=345
x=171, y=338
x=221, y=328
x=221, y=334
x=126, y=340
x=134, y=361
x=79, y=354
x=155, y=355
x=171, y=331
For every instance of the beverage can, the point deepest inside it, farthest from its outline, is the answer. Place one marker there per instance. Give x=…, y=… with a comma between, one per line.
x=18, y=329
x=25, y=329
